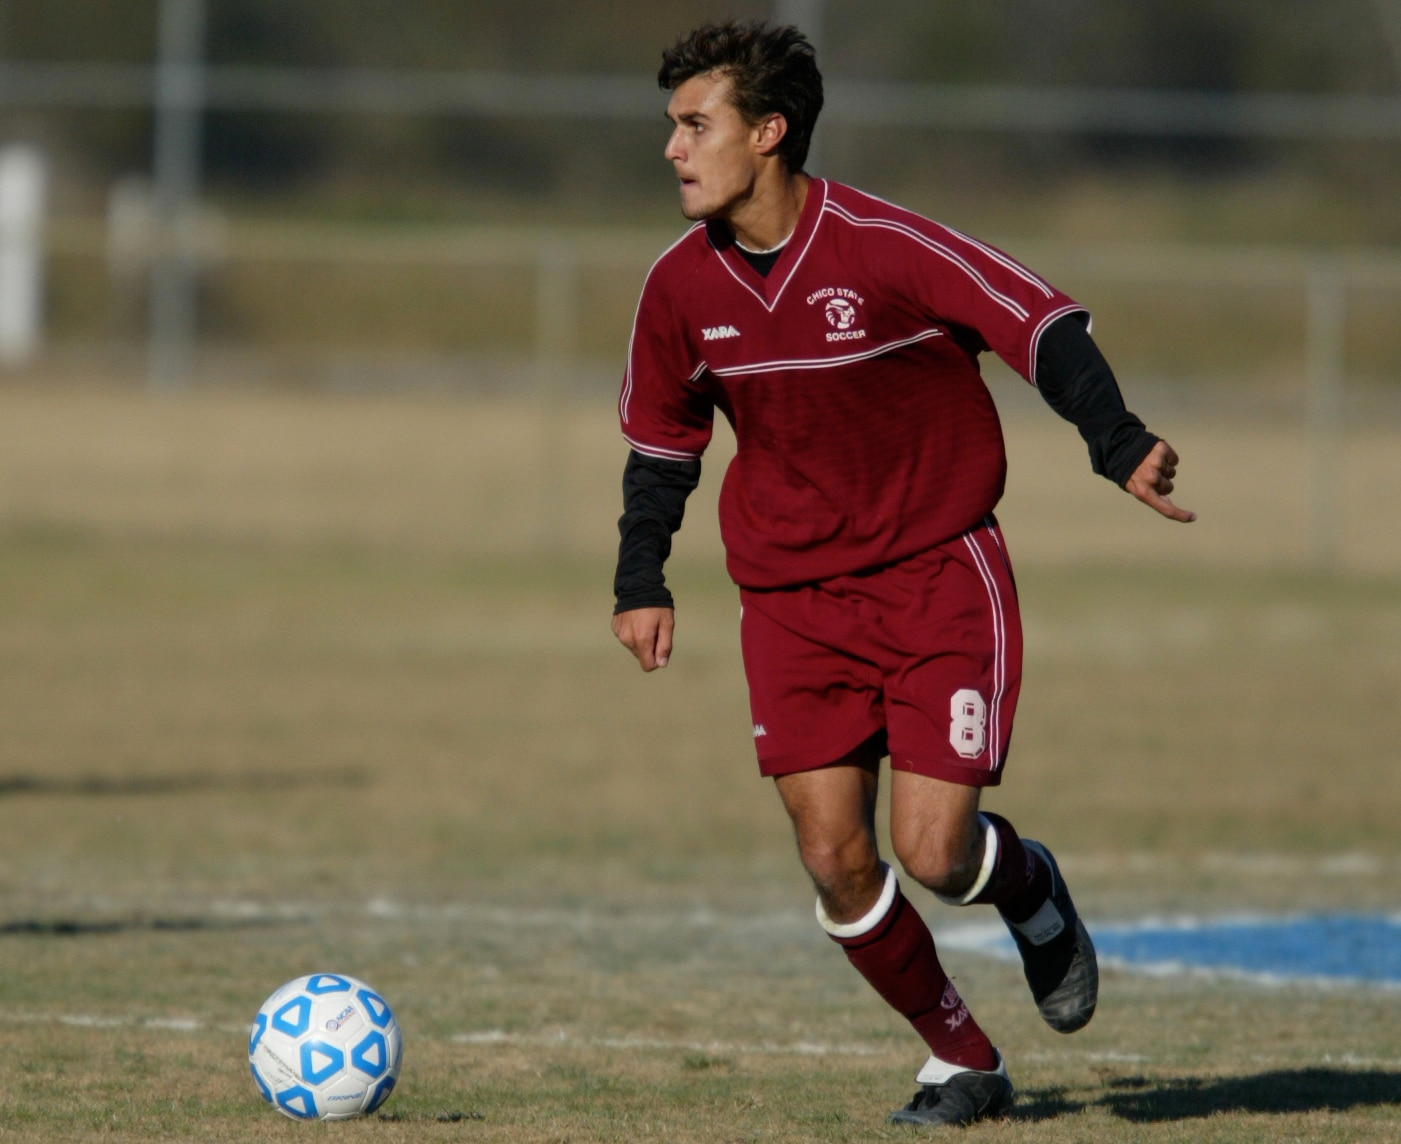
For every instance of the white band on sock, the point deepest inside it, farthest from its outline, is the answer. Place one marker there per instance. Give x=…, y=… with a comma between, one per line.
x=980, y=884
x=866, y=924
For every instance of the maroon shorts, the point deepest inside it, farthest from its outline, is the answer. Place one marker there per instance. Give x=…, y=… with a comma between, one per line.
x=927, y=652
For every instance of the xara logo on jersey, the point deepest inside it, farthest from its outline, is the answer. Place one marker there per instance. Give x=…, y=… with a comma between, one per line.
x=713, y=332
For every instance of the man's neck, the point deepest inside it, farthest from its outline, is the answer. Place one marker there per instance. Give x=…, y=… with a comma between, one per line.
x=770, y=215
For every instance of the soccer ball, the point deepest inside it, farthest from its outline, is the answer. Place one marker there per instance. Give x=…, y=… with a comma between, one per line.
x=325, y=1047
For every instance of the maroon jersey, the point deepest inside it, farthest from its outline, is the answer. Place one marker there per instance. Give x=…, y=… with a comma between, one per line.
x=865, y=433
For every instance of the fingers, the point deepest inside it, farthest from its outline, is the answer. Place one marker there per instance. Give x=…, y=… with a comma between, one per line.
x=1156, y=498
x=1162, y=464
x=662, y=649
x=1171, y=511
x=1153, y=480
x=646, y=632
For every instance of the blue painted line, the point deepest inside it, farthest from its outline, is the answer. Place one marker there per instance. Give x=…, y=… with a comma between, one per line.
x=1340, y=947
x=1324, y=948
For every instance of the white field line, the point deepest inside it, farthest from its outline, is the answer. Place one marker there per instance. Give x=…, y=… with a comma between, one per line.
x=558, y=1038
x=1266, y=866
x=562, y=1038
x=566, y=1039
x=109, y=1021
x=1122, y=868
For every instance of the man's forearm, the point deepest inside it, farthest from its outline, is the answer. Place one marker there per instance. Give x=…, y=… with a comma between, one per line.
x=1077, y=383
x=654, y=503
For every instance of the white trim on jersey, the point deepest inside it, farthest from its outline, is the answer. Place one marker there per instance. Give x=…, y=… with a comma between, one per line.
x=659, y=453
x=1010, y=263
x=999, y=641
x=627, y=373
x=1074, y=308
x=1011, y=305
x=792, y=270
x=1004, y=260
x=826, y=363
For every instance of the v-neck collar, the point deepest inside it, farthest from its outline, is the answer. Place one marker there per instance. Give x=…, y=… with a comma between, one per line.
x=769, y=289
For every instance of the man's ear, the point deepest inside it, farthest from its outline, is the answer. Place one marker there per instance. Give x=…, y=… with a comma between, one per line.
x=769, y=133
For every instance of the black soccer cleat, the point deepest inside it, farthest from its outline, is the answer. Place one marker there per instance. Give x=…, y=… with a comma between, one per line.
x=1062, y=971
x=953, y=1096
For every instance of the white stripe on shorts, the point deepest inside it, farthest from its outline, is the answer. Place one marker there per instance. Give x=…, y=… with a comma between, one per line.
x=999, y=643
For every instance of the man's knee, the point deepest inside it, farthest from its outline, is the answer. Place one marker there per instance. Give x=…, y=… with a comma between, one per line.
x=947, y=866
x=832, y=861
x=845, y=872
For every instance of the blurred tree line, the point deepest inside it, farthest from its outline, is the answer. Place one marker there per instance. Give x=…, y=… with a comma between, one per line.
x=498, y=167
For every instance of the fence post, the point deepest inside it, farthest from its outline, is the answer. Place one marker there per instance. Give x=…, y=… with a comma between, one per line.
x=807, y=17
x=21, y=253
x=1327, y=363
x=557, y=308
x=175, y=189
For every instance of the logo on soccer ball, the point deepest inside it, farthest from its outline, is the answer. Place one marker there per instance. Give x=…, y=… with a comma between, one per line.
x=343, y=1017
x=841, y=314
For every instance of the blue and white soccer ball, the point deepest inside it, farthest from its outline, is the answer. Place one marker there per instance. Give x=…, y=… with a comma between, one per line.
x=325, y=1047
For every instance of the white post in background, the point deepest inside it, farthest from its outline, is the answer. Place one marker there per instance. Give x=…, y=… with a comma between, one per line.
x=130, y=243
x=21, y=253
x=806, y=16
x=1327, y=361
x=175, y=191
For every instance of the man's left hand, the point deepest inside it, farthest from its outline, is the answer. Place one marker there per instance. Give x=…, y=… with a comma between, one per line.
x=1152, y=481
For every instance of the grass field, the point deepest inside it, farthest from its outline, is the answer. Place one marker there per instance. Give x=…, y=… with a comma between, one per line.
x=273, y=699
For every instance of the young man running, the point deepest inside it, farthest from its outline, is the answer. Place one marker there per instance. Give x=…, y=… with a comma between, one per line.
x=840, y=335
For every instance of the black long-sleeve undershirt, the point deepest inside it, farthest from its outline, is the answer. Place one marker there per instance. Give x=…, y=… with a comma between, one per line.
x=1071, y=375
x=1075, y=380
x=654, y=499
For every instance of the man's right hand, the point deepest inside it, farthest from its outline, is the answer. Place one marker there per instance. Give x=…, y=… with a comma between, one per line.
x=646, y=632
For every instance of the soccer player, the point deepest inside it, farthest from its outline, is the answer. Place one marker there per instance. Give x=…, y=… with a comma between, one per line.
x=840, y=337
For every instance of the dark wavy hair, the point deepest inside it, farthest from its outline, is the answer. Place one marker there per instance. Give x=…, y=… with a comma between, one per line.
x=772, y=69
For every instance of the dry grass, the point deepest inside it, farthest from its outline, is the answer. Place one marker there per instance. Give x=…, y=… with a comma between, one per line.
x=284, y=685
x=515, y=478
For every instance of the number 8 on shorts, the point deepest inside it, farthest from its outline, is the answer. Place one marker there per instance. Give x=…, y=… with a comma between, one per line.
x=968, y=720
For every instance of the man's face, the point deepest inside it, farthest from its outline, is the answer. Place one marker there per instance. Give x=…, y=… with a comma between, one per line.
x=712, y=149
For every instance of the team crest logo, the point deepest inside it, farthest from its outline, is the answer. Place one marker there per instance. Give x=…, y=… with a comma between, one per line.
x=841, y=314
x=842, y=311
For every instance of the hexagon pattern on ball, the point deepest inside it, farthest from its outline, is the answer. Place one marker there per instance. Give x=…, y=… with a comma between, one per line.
x=325, y=1047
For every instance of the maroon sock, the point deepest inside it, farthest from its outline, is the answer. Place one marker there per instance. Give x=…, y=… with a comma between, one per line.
x=897, y=957
x=1021, y=882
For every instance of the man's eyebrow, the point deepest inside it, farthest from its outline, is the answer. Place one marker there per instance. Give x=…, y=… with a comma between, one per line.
x=685, y=117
